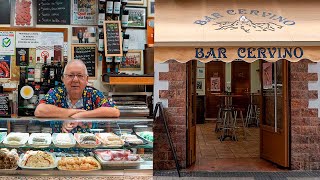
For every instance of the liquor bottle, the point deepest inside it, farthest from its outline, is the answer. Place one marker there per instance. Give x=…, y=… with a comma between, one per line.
x=125, y=19
x=37, y=72
x=109, y=9
x=101, y=41
x=51, y=73
x=58, y=74
x=125, y=43
x=102, y=11
x=30, y=70
x=124, y=3
x=44, y=73
x=116, y=9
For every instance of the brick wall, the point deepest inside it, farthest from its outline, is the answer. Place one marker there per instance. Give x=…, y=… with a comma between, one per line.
x=305, y=129
x=176, y=117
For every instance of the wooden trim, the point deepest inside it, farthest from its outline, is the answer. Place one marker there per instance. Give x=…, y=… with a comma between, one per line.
x=131, y=80
x=63, y=30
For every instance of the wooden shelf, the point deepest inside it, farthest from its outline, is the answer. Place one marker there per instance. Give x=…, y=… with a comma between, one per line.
x=130, y=80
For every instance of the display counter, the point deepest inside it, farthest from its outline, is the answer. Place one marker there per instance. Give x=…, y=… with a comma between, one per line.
x=95, y=147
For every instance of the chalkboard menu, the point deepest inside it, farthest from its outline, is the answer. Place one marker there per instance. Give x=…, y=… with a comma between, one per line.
x=4, y=105
x=86, y=53
x=53, y=12
x=112, y=38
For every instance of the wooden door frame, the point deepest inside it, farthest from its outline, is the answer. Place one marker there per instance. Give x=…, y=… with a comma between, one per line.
x=249, y=74
x=285, y=115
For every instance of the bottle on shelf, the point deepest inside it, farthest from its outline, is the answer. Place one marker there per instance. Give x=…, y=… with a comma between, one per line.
x=14, y=107
x=117, y=61
x=102, y=12
x=124, y=3
x=44, y=73
x=37, y=71
x=109, y=10
x=52, y=70
x=101, y=41
x=109, y=60
x=30, y=70
x=58, y=74
x=125, y=43
x=116, y=9
x=125, y=19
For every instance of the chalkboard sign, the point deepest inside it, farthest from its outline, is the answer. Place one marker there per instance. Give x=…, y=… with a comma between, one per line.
x=53, y=12
x=4, y=105
x=112, y=38
x=88, y=54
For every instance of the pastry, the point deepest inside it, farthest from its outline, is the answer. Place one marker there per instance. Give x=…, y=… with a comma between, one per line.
x=133, y=139
x=37, y=159
x=8, y=159
x=87, y=139
x=39, y=140
x=110, y=139
x=78, y=163
x=63, y=139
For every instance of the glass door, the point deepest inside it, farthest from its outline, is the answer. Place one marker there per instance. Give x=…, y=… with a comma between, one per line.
x=274, y=132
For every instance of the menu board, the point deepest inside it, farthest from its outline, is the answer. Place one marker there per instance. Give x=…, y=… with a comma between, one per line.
x=4, y=105
x=53, y=12
x=88, y=54
x=112, y=38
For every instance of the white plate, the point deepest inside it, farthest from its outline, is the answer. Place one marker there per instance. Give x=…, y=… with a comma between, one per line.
x=119, y=163
x=26, y=95
x=77, y=137
x=54, y=165
x=47, y=136
x=64, y=145
x=24, y=138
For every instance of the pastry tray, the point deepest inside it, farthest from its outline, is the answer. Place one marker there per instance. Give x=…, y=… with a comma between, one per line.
x=137, y=133
x=38, y=168
x=109, y=146
x=118, y=163
x=23, y=141
x=66, y=145
x=47, y=137
x=99, y=166
x=77, y=138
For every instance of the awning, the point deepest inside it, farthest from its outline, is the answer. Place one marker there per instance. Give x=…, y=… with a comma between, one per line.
x=230, y=30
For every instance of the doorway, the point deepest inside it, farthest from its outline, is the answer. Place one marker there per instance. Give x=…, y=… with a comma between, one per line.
x=253, y=150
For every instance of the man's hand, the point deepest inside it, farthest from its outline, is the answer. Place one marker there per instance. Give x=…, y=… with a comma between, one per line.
x=68, y=126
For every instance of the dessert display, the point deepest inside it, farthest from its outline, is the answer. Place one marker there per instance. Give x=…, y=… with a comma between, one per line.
x=78, y=164
x=16, y=139
x=110, y=140
x=37, y=160
x=40, y=139
x=132, y=139
x=87, y=140
x=63, y=140
x=118, y=157
x=147, y=135
x=8, y=159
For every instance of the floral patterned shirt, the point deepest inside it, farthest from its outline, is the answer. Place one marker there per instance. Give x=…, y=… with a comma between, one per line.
x=91, y=99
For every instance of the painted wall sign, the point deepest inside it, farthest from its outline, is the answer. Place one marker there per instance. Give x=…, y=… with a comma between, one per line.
x=251, y=53
x=7, y=43
x=245, y=20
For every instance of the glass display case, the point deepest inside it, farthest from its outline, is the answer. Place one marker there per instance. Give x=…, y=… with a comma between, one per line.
x=97, y=147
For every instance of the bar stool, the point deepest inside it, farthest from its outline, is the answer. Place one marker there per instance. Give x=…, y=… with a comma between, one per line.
x=228, y=128
x=252, y=113
x=240, y=110
x=219, y=118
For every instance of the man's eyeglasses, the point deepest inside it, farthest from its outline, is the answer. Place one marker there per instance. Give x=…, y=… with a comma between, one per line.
x=72, y=76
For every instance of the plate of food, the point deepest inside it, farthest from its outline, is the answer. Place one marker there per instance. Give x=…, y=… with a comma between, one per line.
x=87, y=140
x=132, y=139
x=118, y=157
x=110, y=140
x=40, y=140
x=147, y=135
x=63, y=140
x=16, y=139
x=78, y=164
x=26, y=92
x=9, y=159
x=37, y=160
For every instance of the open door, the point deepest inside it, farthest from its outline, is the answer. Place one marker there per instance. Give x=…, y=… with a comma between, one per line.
x=274, y=132
x=191, y=112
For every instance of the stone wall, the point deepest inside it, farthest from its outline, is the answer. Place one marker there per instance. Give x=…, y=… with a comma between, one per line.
x=176, y=117
x=305, y=129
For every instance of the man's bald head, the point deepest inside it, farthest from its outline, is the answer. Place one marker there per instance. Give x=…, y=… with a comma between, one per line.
x=77, y=61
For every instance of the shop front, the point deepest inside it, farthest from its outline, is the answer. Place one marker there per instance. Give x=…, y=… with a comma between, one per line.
x=255, y=63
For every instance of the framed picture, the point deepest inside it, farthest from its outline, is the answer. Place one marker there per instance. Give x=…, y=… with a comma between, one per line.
x=150, y=8
x=84, y=12
x=215, y=84
x=137, y=17
x=267, y=75
x=200, y=72
x=201, y=87
x=23, y=13
x=132, y=62
x=84, y=35
x=201, y=64
x=140, y=2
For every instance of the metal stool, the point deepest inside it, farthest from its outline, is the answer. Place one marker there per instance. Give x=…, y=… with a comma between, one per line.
x=242, y=121
x=219, y=119
x=228, y=128
x=252, y=117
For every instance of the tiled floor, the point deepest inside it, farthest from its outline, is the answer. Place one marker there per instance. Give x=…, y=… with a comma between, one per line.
x=241, y=155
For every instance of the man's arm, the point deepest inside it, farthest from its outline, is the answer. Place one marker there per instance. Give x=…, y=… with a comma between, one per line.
x=99, y=112
x=48, y=110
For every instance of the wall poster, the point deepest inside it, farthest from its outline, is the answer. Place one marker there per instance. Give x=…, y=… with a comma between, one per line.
x=5, y=67
x=7, y=40
x=215, y=84
x=267, y=75
x=24, y=13
x=84, y=12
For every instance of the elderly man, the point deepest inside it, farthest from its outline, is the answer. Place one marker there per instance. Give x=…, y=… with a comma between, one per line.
x=75, y=99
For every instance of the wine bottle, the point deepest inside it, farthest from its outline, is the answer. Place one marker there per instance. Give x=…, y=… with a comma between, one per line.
x=109, y=9
x=102, y=11
x=125, y=19
x=116, y=9
x=101, y=41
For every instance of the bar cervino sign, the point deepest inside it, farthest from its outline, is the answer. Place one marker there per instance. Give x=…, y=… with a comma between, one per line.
x=112, y=38
x=86, y=53
x=53, y=12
